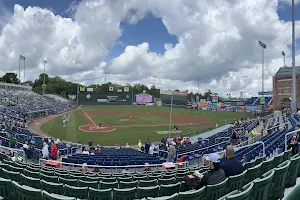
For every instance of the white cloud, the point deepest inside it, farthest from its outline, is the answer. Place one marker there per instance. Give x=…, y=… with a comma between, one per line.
x=218, y=43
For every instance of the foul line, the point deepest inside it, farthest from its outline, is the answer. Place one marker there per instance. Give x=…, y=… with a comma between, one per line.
x=89, y=118
x=94, y=131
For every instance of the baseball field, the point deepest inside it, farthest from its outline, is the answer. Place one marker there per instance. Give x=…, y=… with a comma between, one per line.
x=128, y=124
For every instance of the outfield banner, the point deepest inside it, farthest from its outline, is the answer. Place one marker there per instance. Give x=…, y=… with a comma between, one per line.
x=90, y=89
x=126, y=89
x=184, y=94
x=166, y=92
x=262, y=100
x=111, y=88
x=119, y=90
x=82, y=89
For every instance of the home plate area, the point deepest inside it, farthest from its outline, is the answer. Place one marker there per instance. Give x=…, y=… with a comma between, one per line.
x=92, y=128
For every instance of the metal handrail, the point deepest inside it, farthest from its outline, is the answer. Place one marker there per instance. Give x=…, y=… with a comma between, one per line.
x=285, y=137
x=249, y=145
x=202, y=149
x=108, y=167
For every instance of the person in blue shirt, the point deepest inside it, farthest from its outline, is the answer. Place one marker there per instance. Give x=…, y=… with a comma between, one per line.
x=231, y=166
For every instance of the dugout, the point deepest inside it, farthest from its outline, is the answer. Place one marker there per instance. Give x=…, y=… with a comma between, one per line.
x=106, y=98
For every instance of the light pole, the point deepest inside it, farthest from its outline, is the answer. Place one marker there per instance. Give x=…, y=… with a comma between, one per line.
x=171, y=110
x=245, y=78
x=294, y=95
x=105, y=76
x=264, y=46
x=44, y=81
x=283, y=54
x=23, y=59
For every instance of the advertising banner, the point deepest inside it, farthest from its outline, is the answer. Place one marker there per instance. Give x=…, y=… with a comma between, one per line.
x=214, y=98
x=158, y=102
x=111, y=88
x=82, y=89
x=90, y=89
x=262, y=100
x=143, y=98
x=119, y=90
x=126, y=89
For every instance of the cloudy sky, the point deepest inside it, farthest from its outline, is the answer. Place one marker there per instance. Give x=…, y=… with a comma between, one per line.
x=174, y=43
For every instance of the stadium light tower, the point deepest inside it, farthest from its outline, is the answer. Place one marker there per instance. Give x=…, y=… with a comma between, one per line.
x=21, y=58
x=44, y=79
x=105, y=73
x=283, y=54
x=294, y=96
x=264, y=46
x=171, y=110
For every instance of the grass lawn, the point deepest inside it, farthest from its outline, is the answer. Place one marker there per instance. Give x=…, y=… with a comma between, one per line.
x=131, y=135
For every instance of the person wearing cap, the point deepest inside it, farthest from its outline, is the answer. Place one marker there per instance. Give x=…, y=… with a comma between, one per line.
x=216, y=173
x=231, y=166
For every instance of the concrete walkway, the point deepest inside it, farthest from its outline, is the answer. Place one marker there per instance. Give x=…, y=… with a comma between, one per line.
x=212, y=132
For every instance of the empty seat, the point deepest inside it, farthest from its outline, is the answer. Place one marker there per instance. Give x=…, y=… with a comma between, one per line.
x=147, y=192
x=293, y=171
x=262, y=186
x=5, y=188
x=95, y=194
x=78, y=192
x=49, y=196
x=244, y=195
x=236, y=182
x=53, y=179
x=90, y=184
x=109, y=185
x=56, y=188
x=148, y=183
x=15, y=176
x=72, y=182
x=172, y=197
x=31, y=182
x=279, y=180
x=132, y=184
x=162, y=181
x=252, y=173
x=192, y=194
x=25, y=192
x=294, y=194
x=124, y=194
x=167, y=190
x=216, y=191
x=266, y=165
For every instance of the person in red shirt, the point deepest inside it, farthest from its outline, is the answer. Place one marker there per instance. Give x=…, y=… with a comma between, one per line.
x=54, y=151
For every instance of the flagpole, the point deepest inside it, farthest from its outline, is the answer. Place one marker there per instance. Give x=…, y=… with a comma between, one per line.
x=77, y=93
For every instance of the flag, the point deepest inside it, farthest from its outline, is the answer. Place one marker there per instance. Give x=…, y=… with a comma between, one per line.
x=283, y=53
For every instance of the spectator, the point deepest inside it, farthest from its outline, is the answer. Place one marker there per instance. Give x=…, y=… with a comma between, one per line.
x=172, y=153
x=83, y=168
x=294, y=142
x=45, y=151
x=147, y=167
x=231, y=166
x=216, y=173
x=54, y=151
x=147, y=146
x=140, y=144
x=90, y=143
x=125, y=171
x=12, y=142
x=151, y=150
x=25, y=145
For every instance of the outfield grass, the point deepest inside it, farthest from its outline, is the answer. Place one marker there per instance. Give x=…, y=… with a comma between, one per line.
x=122, y=136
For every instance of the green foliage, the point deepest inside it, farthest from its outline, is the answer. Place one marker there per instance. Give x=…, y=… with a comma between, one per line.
x=59, y=86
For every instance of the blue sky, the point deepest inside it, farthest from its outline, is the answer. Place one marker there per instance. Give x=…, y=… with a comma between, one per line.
x=150, y=29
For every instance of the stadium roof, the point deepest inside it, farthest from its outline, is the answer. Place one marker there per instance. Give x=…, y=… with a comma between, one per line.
x=285, y=72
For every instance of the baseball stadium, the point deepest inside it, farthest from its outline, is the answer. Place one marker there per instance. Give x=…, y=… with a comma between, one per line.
x=84, y=121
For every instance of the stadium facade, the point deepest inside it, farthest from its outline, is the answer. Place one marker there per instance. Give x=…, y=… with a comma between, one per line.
x=282, y=87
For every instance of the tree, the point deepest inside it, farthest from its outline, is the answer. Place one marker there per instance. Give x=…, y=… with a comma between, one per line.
x=10, y=78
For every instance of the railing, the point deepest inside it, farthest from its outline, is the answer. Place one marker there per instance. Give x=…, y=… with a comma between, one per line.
x=221, y=153
x=16, y=152
x=202, y=149
x=72, y=166
x=285, y=137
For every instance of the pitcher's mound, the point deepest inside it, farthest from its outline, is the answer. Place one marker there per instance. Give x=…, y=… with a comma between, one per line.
x=96, y=129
